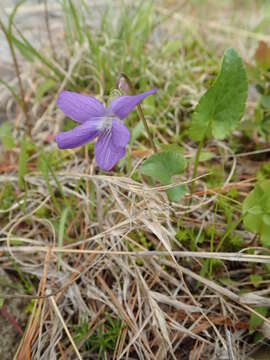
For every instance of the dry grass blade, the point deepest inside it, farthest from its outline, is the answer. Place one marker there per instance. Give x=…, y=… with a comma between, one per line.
x=58, y=313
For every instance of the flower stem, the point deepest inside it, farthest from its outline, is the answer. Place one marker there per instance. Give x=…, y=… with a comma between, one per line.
x=197, y=159
x=141, y=114
x=21, y=89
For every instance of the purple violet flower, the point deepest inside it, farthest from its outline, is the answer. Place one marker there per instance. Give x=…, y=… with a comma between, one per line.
x=97, y=121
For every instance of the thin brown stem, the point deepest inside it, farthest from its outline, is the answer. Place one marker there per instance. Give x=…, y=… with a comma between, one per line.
x=47, y=21
x=17, y=70
x=11, y=320
x=141, y=114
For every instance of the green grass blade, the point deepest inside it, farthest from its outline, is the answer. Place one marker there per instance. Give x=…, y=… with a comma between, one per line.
x=43, y=167
x=12, y=91
x=23, y=49
x=11, y=18
x=22, y=165
x=38, y=55
x=59, y=187
x=76, y=21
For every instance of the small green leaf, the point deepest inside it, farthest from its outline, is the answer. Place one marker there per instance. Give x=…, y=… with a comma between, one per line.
x=255, y=279
x=6, y=135
x=255, y=321
x=221, y=107
x=163, y=165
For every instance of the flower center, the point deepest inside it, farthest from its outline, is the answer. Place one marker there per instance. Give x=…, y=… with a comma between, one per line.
x=106, y=123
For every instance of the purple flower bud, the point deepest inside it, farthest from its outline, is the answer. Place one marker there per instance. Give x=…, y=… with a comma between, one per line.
x=121, y=84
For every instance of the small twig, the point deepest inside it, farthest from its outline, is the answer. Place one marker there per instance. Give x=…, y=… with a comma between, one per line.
x=17, y=70
x=141, y=114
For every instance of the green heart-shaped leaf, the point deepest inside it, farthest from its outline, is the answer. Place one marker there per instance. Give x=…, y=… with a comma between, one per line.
x=221, y=107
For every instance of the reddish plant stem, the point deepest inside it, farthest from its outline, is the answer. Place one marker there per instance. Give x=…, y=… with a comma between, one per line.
x=11, y=320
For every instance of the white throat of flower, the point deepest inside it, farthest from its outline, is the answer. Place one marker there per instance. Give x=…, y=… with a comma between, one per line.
x=105, y=124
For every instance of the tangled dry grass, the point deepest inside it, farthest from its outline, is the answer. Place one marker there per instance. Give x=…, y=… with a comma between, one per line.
x=118, y=267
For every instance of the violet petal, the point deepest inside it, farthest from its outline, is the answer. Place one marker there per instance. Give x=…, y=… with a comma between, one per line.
x=79, y=107
x=120, y=134
x=111, y=146
x=123, y=105
x=78, y=136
